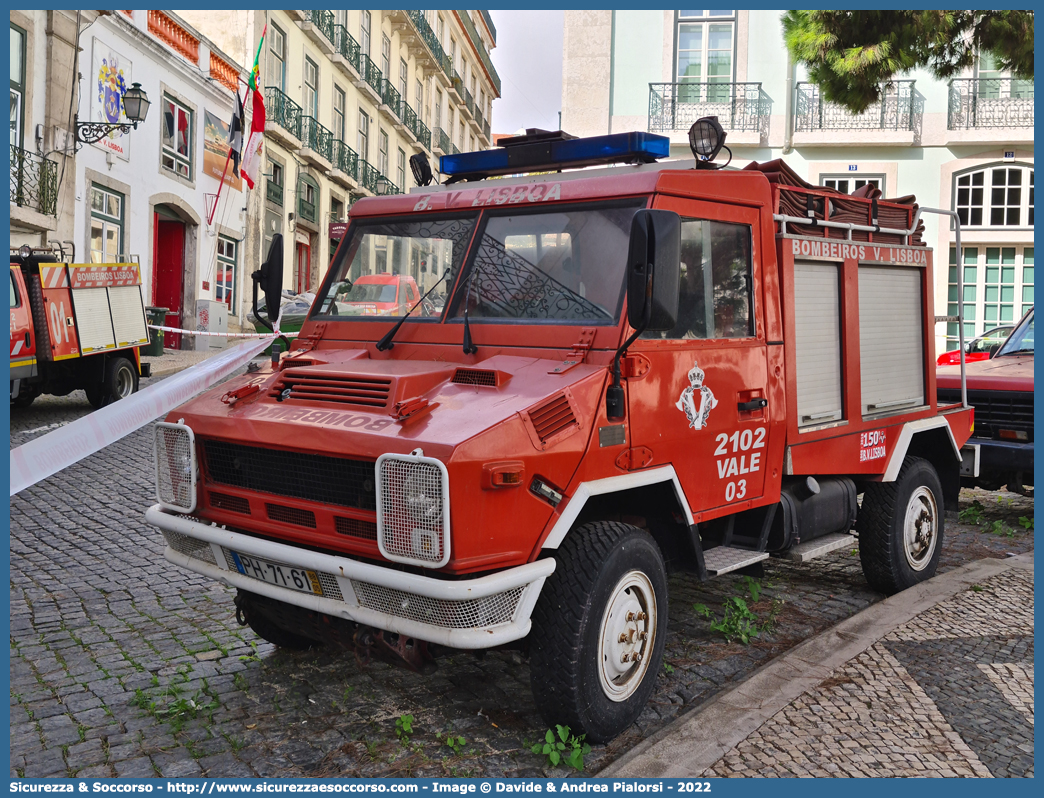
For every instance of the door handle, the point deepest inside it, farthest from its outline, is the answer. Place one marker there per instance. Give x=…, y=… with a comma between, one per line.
x=753, y=404
x=27, y=338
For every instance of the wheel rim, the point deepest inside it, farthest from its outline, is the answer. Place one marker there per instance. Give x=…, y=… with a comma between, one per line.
x=124, y=383
x=627, y=635
x=920, y=532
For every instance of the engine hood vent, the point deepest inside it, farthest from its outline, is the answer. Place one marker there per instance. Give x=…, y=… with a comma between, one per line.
x=328, y=386
x=553, y=418
x=475, y=377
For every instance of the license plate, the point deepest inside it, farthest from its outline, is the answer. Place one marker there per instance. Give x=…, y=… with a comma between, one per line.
x=280, y=574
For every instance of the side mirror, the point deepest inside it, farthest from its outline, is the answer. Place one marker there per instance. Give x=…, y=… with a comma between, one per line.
x=993, y=349
x=270, y=280
x=653, y=270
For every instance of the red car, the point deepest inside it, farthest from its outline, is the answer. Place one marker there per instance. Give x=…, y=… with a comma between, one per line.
x=378, y=295
x=978, y=349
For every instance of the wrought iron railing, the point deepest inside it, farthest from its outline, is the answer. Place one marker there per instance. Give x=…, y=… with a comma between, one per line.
x=346, y=159
x=346, y=45
x=478, y=117
x=675, y=106
x=469, y=26
x=469, y=101
x=456, y=82
x=34, y=181
x=390, y=96
x=305, y=209
x=273, y=192
x=369, y=72
x=368, y=175
x=428, y=37
x=323, y=21
x=485, y=130
x=454, y=150
x=408, y=116
x=283, y=111
x=894, y=111
x=489, y=24
x=990, y=102
x=316, y=137
x=423, y=134
x=441, y=140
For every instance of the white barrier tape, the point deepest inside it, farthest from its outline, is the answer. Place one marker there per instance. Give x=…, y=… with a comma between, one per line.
x=59, y=449
x=217, y=334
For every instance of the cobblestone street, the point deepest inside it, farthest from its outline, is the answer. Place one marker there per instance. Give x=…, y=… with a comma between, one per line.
x=124, y=665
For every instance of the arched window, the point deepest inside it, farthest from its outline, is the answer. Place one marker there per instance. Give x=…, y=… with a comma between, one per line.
x=1000, y=195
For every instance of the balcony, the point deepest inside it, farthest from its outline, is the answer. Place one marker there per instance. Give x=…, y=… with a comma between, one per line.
x=316, y=142
x=895, y=119
x=440, y=143
x=368, y=176
x=390, y=100
x=318, y=25
x=369, y=79
x=346, y=52
x=423, y=134
x=469, y=27
x=273, y=192
x=34, y=189
x=435, y=53
x=456, y=84
x=282, y=118
x=306, y=210
x=485, y=132
x=345, y=164
x=990, y=110
x=742, y=109
x=469, y=103
x=409, y=119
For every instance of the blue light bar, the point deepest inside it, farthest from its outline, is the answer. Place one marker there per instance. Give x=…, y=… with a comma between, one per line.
x=548, y=155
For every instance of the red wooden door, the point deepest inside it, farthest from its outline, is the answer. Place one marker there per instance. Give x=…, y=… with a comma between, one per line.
x=302, y=267
x=169, y=265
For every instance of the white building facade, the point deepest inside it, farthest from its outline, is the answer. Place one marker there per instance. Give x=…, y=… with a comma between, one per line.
x=964, y=145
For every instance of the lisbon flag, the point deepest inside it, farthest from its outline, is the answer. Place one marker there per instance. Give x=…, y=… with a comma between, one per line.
x=252, y=151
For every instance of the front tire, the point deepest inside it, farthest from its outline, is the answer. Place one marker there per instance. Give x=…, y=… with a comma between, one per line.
x=901, y=528
x=599, y=629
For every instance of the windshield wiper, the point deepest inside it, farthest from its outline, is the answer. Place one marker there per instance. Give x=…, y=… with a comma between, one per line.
x=386, y=341
x=469, y=347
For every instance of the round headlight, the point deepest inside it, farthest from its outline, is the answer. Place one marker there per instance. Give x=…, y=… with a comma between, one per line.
x=423, y=498
x=706, y=137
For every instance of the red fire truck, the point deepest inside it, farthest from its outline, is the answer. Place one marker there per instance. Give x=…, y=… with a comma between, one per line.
x=75, y=326
x=639, y=369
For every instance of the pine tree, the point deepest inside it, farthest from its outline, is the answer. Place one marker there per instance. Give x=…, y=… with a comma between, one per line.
x=849, y=54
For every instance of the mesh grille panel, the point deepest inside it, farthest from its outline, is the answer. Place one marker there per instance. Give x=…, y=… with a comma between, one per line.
x=197, y=549
x=331, y=480
x=291, y=515
x=468, y=614
x=474, y=377
x=367, y=530
x=411, y=522
x=223, y=501
x=175, y=477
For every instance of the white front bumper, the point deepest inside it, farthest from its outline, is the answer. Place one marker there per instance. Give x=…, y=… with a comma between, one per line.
x=453, y=613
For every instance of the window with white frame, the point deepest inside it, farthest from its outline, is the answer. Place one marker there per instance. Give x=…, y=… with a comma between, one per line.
x=382, y=152
x=106, y=225
x=422, y=113
x=225, y=284
x=705, y=42
x=440, y=31
x=363, y=141
x=846, y=184
x=997, y=196
x=436, y=121
x=275, y=69
x=997, y=284
x=338, y=113
x=461, y=131
x=177, y=137
x=386, y=56
x=364, y=32
x=403, y=69
x=401, y=169
x=17, y=84
x=311, y=88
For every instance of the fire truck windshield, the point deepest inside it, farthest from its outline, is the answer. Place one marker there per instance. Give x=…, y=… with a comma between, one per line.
x=422, y=249
x=565, y=266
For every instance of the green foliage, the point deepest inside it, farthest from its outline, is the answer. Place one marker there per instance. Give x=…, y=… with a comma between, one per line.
x=454, y=742
x=668, y=667
x=566, y=747
x=976, y=588
x=849, y=54
x=739, y=622
x=1026, y=521
x=170, y=705
x=404, y=728
x=973, y=515
x=998, y=527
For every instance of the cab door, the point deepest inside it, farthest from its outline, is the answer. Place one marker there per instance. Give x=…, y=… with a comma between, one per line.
x=700, y=404
x=23, y=341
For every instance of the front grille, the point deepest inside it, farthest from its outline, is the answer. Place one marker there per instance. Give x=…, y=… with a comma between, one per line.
x=223, y=501
x=290, y=515
x=553, y=417
x=468, y=614
x=353, y=527
x=330, y=480
x=995, y=410
x=331, y=590
x=175, y=467
x=197, y=549
x=475, y=377
x=332, y=387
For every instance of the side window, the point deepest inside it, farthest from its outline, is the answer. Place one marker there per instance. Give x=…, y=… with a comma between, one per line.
x=716, y=282
x=15, y=301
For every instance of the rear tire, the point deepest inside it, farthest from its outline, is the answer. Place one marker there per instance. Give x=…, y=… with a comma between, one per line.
x=591, y=669
x=901, y=528
x=120, y=380
x=266, y=629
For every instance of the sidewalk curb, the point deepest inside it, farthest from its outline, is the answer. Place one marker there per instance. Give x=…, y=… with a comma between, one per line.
x=692, y=743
